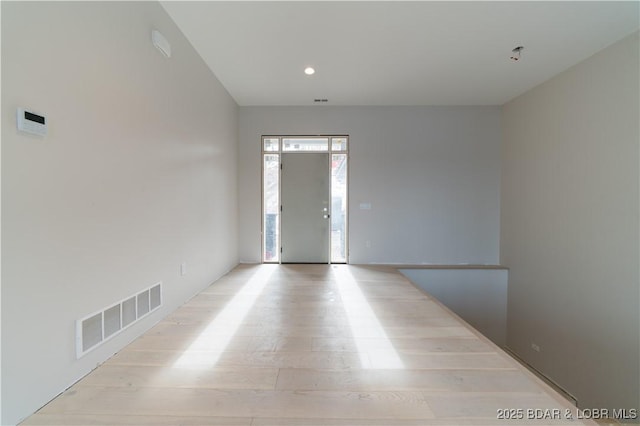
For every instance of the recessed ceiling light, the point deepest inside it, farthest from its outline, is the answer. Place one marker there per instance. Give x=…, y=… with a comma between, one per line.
x=309, y=71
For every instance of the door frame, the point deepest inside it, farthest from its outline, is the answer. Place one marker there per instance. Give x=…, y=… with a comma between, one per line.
x=305, y=217
x=267, y=148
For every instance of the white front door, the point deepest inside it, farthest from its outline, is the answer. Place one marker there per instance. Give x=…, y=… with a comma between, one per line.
x=305, y=200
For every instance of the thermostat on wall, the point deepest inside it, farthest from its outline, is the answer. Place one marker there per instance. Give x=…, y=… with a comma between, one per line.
x=31, y=122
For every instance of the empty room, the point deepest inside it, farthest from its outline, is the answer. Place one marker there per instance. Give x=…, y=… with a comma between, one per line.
x=320, y=213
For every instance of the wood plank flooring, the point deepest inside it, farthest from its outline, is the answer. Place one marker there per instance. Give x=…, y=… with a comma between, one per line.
x=307, y=345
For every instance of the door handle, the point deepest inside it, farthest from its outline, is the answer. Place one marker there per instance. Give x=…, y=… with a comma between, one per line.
x=327, y=216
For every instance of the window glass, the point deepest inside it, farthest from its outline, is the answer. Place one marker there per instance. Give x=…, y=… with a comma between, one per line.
x=270, y=144
x=339, y=144
x=305, y=144
x=339, y=208
x=271, y=200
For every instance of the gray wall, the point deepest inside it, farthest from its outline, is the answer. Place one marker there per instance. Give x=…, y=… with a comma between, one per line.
x=138, y=174
x=478, y=296
x=570, y=224
x=431, y=174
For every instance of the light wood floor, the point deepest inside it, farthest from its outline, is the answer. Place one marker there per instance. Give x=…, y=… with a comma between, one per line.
x=307, y=345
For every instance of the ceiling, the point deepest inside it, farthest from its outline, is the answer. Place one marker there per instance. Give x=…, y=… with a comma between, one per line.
x=395, y=53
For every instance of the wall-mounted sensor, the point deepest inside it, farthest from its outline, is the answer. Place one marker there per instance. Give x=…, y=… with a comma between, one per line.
x=161, y=43
x=30, y=122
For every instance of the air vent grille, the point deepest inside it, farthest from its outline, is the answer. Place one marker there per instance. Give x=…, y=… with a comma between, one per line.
x=98, y=327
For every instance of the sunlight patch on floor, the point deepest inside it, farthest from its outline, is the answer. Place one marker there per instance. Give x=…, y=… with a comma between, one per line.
x=374, y=347
x=206, y=350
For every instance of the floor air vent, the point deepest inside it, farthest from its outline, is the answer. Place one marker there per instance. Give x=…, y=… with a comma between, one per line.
x=98, y=327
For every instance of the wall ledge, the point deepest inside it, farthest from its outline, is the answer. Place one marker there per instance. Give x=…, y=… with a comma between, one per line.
x=433, y=266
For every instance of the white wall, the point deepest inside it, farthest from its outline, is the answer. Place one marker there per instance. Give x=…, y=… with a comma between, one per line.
x=570, y=227
x=138, y=174
x=0, y=245
x=431, y=174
